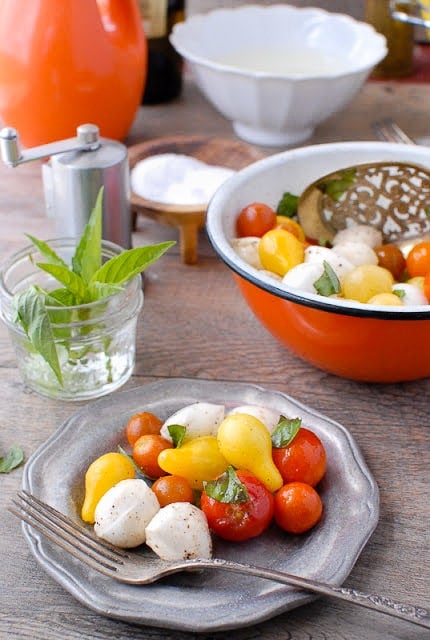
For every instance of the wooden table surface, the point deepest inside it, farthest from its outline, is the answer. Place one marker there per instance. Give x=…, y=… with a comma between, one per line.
x=196, y=325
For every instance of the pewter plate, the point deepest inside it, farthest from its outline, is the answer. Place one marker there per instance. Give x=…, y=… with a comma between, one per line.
x=208, y=601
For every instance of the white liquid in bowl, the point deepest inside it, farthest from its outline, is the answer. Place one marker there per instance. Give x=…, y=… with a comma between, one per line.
x=283, y=61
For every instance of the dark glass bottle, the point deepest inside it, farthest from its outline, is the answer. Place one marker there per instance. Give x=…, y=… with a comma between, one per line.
x=164, y=77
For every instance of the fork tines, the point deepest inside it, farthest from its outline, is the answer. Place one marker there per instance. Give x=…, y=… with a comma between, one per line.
x=389, y=131
x=67, y=534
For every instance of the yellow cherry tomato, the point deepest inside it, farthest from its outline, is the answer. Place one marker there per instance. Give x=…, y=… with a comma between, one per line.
x=102, y=475
x=389, y=299
x=366, y=281
x=197, y=461
x=280, y=250
x=291, y=225
x=246, y=443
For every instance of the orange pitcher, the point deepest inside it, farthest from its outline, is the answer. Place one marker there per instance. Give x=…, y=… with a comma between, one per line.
x=67, y=62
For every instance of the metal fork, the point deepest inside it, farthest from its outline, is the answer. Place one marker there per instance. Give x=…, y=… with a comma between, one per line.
x=388, y=130
x=139, y=569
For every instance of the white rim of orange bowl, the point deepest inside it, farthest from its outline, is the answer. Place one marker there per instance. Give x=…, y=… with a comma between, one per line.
x=225, y=251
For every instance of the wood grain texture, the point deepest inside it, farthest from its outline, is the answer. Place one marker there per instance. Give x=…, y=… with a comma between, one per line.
x=195, y=324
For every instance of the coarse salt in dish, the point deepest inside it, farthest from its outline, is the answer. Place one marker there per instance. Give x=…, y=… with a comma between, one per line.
x=179, y=179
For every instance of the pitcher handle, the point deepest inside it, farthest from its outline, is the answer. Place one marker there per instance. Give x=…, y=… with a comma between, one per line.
x=406, y=11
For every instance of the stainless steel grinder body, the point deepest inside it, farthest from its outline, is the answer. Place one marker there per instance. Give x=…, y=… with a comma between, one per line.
x=76, y=170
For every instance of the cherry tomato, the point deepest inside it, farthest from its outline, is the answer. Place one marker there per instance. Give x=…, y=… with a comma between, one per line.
x=366, y=281
x=255, y=219
x=283, y=222
x=141, y=424
x=280, y=250
x=303, y=459
x=170, y=489
x=426, y=286
x=298, y=507
x=390, y=257
x=146, y=451
x=240, y=521
x=418, y=260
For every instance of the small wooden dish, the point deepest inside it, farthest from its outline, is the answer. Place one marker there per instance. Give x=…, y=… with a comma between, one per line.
x=225, y=152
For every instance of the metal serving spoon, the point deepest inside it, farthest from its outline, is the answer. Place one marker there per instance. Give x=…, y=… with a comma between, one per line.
x=393, y=197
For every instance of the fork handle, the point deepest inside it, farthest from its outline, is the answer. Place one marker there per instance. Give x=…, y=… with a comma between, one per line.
x=411, y=613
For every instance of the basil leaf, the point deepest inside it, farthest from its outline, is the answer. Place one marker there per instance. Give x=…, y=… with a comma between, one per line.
x=287, y=205
x=34, y=318
x=227, y=488
x=285, y=431
x=13, y=458
x=71, y=280
x=177, y=433
x=400, y=293
x=327, y=284
x=100, y=290
x=88, y=254
x=46, y=251
x=60, y=298
x=129, y=263
x=336, y=187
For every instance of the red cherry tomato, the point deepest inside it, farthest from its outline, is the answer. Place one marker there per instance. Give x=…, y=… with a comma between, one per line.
x=298, y=507
x=145, y=453
x=173, y=488
x=141, y=424
x=255, y=220
x=240, y=520
x=418, y=260
x=303, y=460
x=390, y=257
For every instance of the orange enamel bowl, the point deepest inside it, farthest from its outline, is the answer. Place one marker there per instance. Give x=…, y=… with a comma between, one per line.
x=348, y=339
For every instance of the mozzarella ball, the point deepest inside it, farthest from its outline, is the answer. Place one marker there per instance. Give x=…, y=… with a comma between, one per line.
x=247, y=249
x=359, y=233
x=271, y=274
x=268, y=417
x=341, y=266
x=411, y=295
x=199, y=419
x=356, y=252
x=123, y=513
x=303, y=276
x=179, y=531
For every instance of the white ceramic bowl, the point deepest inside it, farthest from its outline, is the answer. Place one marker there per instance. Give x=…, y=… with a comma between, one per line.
x=350, y=339
x=278, y=71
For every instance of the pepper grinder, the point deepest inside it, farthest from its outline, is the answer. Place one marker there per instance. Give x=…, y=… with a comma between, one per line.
x=72, y=177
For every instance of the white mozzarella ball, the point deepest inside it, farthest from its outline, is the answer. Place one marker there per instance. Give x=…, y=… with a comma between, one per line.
x=247, y=249
x=270, y=274
x=341, y=266
x=199, y=419
x=124, y=511
x=357, y=253
x=179, y=531
x=411, y=295
x=268, y=417
x=303, y=276
x=359, y=233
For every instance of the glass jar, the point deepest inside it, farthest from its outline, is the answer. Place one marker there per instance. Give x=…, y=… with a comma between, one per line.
x=95, y=342
x=399, y=60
